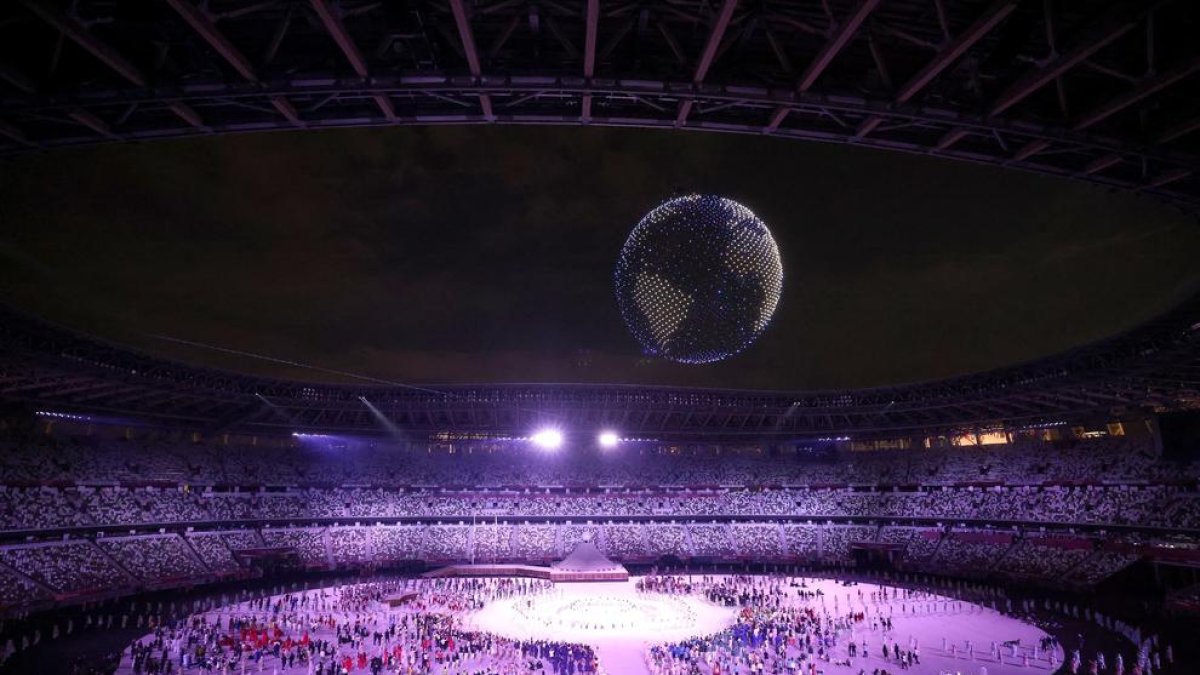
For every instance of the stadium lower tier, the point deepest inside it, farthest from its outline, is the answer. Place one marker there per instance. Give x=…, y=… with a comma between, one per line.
x=76, y=569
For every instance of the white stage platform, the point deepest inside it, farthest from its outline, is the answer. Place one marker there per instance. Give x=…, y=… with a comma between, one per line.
x=585, y=564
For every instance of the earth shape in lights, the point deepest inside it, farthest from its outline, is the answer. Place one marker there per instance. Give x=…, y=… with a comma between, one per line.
x=698, y=279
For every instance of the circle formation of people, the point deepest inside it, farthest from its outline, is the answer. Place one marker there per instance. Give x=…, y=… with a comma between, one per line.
x=606, y=612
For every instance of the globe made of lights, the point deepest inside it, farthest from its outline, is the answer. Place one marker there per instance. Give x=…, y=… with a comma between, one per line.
x=698, y=279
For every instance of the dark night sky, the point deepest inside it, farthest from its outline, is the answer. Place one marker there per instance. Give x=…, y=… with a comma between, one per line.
x=486, y=253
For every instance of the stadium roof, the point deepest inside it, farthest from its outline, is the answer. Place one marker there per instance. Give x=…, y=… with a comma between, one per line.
x=1153, y=368
x=1097, y=90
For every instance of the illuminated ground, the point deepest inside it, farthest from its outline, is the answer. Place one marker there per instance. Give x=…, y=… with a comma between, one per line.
x=613, y=617
x=583, y=612
x=622, y=623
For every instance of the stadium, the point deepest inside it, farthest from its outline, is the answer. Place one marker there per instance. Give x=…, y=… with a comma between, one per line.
x=365, y=394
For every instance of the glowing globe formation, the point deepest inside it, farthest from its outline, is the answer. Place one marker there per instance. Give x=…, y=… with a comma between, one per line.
x=698, y=279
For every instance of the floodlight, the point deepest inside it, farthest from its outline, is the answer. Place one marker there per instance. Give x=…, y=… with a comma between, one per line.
x=548, y=439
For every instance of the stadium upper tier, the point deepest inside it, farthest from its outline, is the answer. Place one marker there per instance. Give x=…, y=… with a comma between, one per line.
x=1152, y=368
x=475, y=466
x=1092, y=89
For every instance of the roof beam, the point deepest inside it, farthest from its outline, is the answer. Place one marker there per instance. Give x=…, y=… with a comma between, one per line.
x=992, y=17
x=485, y=103
x=78, y=33
x=714, y=40
x=502, y=38
x=1167, y=178
x=1178, y=131
x=776, y=120
x=288, y=110
x=589, y=40
x=236, y=418
x=793, y=22
x=777, y=48
x=840, y=38
x=1148, y=87
x=950, y=138
x=41, y=383
x=940, y=10
x=563, y=40
x=669, y=38
x=186, y=113
x=466, y=36
x=1030, y=149
x=207, y=29
x=385, y=106
x=278, y=36
x=867, y=126
x=715, y=35
x=685, y=109
x=17, y=79
x=615, y=39
x=589, y=54
x=204, y=25
x=92, y=122
x=889, y=29
x=996, y=13
x=330, y=18
x=1104, y=31
x=881, y=67
x=14, y=134
x=1100, y=164
x=92, y=386
x=470, y=52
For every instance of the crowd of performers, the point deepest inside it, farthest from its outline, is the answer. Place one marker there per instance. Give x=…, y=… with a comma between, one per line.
x=782, y=626
x=1149, y=660
x=341, y=631
x=772, y=634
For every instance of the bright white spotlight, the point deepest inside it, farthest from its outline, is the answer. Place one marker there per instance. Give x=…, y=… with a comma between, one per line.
x=549, y=439
x=608, y=439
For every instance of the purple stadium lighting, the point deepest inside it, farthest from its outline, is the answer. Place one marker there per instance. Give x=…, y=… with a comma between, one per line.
x=64, y=416
x=547, y=439
x=382, y=419
x=608, y=439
